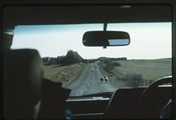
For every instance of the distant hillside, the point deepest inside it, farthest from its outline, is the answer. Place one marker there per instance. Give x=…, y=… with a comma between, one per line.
x=108, y=58
x=104, y=58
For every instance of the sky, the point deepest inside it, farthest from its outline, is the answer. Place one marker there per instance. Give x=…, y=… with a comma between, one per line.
x=147, y=40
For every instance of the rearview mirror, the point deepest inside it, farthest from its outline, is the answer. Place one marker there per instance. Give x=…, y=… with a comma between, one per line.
x=106, y=38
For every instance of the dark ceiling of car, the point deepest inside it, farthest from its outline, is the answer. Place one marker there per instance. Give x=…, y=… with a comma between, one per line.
x=68, y=14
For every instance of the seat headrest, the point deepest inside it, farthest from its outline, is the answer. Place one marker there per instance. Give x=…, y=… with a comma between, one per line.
x=22, y=82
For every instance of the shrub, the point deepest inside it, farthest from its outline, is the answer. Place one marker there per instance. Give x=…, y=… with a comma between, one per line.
x=132, y=80
x=110, y=65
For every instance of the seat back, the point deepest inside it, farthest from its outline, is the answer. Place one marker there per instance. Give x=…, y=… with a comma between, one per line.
x=22, y=83
x=123, y=104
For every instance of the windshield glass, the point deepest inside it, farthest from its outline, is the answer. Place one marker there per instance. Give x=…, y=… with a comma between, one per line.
x=88, y=70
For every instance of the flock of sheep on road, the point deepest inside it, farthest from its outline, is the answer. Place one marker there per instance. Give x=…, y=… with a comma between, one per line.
x=103, y=79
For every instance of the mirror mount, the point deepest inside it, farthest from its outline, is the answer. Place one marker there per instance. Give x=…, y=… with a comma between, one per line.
x=104, y=47
x=105, y=26
x=104, y=29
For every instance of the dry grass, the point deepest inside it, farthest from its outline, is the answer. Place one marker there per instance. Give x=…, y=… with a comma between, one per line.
x=64, y=74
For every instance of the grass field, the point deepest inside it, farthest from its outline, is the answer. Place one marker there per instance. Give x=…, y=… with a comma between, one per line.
x=149, y=69
x=64, y=74
x=132, y=73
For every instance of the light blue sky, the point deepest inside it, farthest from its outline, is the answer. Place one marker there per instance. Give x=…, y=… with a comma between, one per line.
x=148, y=41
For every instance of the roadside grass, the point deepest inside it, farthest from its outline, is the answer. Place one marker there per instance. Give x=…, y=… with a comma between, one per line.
x=149, y=69
x=133, y=73
x=63, y=74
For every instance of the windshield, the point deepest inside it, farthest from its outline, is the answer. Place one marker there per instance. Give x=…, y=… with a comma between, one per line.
x=89, y=70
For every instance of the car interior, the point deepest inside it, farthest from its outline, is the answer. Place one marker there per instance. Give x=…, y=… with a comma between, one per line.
x=28, y=94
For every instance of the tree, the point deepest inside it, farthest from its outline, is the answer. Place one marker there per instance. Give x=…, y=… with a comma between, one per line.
x=60, y=59
x=71, y=57
x=52, y=60
x=45, y=60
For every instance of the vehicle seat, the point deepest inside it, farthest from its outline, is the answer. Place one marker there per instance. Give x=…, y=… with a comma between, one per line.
x=22, y=83
x=123, y=104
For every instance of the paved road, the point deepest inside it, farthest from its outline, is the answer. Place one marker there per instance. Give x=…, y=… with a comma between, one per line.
x=89, y=82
